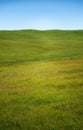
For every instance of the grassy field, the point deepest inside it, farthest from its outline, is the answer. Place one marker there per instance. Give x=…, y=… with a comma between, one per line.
x=41, y=80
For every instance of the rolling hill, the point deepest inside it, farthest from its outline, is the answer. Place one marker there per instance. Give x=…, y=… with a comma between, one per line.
x=41, y=80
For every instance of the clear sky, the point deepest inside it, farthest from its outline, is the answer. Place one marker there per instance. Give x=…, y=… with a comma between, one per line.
x=41, y=14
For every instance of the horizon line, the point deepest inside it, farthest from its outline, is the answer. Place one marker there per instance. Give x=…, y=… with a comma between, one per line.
x=41, y=29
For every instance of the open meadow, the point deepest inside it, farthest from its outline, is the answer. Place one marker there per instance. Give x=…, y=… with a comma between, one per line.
x=41, y=80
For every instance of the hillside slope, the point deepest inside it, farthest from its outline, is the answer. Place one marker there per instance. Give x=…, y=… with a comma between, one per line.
x=33, y=45
x=41, y=80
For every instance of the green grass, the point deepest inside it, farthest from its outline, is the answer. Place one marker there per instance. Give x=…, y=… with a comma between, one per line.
x=41, y=80
x=23, y=46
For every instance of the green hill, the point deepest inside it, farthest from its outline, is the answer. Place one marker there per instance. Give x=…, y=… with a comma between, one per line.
x=33, y=45
x=41, y=80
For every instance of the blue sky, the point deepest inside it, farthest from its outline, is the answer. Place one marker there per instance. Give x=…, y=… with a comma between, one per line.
x=41, y=14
